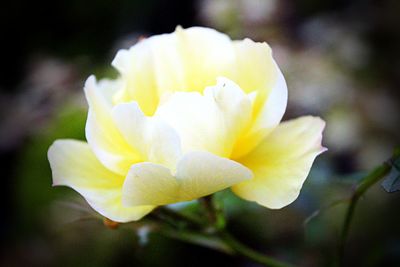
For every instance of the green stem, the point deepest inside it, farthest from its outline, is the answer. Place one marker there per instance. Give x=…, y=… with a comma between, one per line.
x=206, y=202
x=217, y=219
x=198, y=238
x=178, y=217
x=214, y=212
x=223, y=242
x=219, y=239
x=372, y=178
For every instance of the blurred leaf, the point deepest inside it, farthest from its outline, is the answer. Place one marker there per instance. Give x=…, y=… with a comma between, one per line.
x=372, y=178
x=35, y=194
x=392, y=181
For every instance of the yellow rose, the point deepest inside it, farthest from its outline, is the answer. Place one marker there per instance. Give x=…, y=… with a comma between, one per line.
x=192, y=113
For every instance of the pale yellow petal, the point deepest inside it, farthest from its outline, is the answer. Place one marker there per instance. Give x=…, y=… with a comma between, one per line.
x=282, y=162
x=266, y=116
x=206, y=54
x=198, y=174
x=102, y=134
x=256, y=68
x=185, y=60
x=73, y=164
x=154, y=140
x=137, y=69
x=211, y=122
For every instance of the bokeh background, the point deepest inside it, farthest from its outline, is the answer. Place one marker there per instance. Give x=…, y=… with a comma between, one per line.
x=341, y=60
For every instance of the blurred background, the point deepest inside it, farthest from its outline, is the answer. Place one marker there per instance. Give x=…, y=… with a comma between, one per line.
x=341, y=60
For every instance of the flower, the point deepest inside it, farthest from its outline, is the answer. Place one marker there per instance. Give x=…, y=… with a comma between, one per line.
x=192, y=113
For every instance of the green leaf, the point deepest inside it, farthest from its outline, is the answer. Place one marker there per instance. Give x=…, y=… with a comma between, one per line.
x=392, y=181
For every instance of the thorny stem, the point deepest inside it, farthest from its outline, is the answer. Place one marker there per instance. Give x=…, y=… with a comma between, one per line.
x=372, y=178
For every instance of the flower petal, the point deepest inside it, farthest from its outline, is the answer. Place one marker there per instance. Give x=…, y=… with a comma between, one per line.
x=156, y=141
x=211, y=122
x=256, y=69
x=198, y=174
x=259, y=75
x=137, y=69
x=102, y=134
x=185, y=60
x=282, y=162
x=265, y=120
x=206, y=54
x=73, y=164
